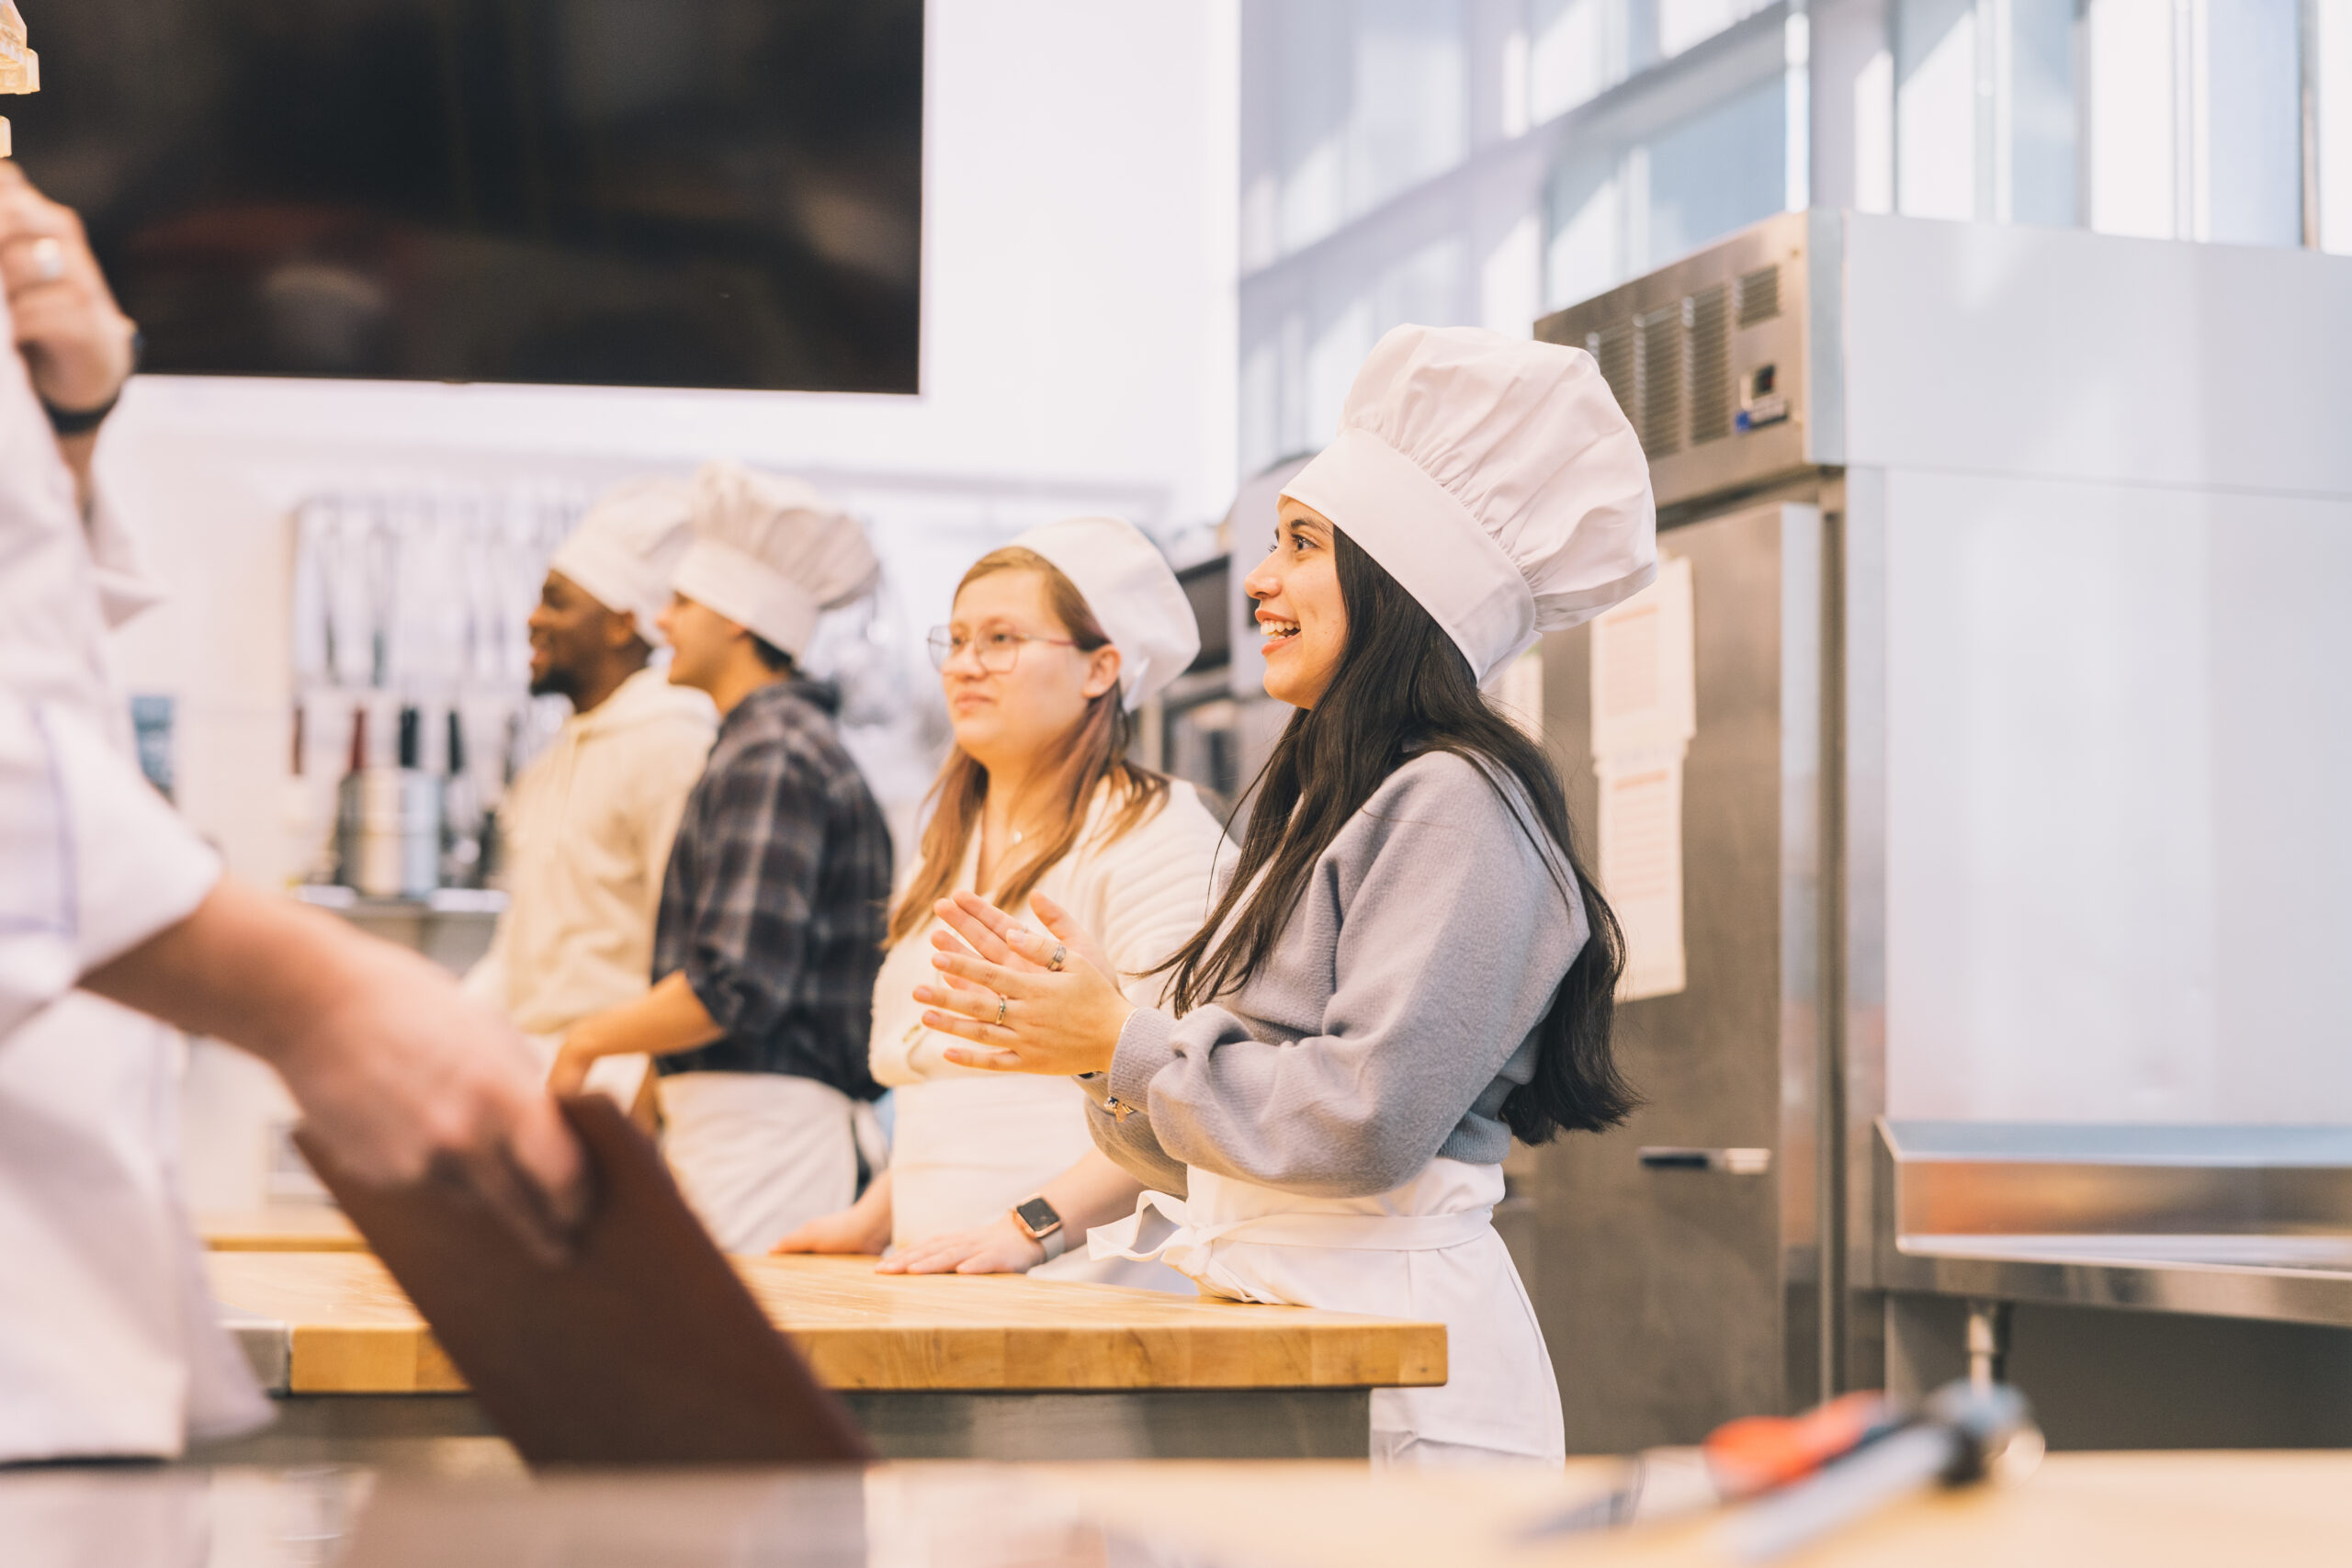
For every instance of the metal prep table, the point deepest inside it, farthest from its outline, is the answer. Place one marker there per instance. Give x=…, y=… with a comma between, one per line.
x=2200, y=1275
x=2226, y=1222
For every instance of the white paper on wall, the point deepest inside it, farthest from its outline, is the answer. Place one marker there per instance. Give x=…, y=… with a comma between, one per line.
x=1645, y=715
x=1644, y=669
x=1641, y=868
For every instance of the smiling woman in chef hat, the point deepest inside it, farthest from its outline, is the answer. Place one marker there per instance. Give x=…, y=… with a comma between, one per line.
x=1053, y=644
x=769, y=922
x=1408, y=965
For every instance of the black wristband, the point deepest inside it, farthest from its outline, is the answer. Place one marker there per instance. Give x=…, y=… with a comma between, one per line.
x=73, y=422
x=81, y=422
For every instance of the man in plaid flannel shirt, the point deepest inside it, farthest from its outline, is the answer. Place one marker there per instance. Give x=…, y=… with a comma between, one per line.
x=772, y=921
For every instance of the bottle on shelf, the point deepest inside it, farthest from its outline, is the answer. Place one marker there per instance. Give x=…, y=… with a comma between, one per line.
x=310, y=852
x=388, y=819
x=461, y=824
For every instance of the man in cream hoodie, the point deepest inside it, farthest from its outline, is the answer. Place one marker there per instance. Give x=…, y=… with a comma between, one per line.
x=589, y=824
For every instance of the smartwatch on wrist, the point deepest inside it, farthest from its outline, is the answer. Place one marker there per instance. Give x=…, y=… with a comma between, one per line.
x=1041, y=1223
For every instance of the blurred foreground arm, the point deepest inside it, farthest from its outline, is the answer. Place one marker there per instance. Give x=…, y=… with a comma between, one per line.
x=76, y=342
x=106, y=888
x=394, y=1067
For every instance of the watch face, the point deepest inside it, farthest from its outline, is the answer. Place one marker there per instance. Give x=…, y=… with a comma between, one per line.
x=1039, y=1216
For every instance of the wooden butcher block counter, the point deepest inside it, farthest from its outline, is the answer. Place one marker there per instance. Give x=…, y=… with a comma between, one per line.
x=2148, y=1510
x=278, y=1227
x=989, y=1366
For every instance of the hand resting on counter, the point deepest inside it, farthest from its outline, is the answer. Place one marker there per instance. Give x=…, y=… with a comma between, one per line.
x=998, y=1247
x=862, y=1230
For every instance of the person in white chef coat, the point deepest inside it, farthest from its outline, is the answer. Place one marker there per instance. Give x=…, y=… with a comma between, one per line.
x=772, y=915
x=109, y=1343
x=1053, y=644
x=588, y=825
x=1407, y=967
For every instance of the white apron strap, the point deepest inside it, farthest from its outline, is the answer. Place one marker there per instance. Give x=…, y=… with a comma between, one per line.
x=1160, y=1225
x=1168, y=1223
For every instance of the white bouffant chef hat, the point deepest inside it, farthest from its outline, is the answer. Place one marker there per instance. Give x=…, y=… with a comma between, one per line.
x=1496, y=480
x=1136, y=598
x=627, y=546
x=771, y=554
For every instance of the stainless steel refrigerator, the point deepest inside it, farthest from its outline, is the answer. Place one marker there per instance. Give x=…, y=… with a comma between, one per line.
x=2016, y=561
x=1680, y=1284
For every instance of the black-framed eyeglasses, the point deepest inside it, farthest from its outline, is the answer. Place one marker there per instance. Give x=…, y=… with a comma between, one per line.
x=997, y=650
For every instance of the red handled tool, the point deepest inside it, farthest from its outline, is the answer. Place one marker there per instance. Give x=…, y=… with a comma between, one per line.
x=1739, y=1460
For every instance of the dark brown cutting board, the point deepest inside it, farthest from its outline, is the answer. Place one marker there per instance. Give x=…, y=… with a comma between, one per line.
x=645, y=1349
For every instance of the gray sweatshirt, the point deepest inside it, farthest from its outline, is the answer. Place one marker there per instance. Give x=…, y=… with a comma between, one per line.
x=1392, y=1018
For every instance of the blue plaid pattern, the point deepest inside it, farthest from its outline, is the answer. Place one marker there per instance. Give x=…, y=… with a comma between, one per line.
x=775, y=902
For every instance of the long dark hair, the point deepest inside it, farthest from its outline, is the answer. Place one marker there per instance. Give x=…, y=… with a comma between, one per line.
x=1095, y=750
x=1403, y=688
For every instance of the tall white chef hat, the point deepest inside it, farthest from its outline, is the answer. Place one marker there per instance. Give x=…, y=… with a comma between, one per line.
x=627, y=546
x=1496, y=480
x=1136, y=598
x=771, y=554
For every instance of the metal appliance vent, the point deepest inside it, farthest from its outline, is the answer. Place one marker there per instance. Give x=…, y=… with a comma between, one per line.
x=1613, y=347
x=1708, y=359
x=1709, y=314
x=1660, y=422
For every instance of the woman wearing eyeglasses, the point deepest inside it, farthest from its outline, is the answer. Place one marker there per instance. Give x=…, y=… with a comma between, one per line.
x=1054, y=641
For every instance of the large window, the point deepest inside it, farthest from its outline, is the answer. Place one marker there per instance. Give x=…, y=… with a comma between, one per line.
x=1367, y=98
x=1616, y=213
x=1478, y=160
x=2012, y=155
x=2329, y=82
x=1483, y=161
x=2168, y=120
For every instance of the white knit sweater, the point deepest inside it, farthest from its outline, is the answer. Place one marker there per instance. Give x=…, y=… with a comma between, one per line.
x=970, y=1142
x=1142, y=895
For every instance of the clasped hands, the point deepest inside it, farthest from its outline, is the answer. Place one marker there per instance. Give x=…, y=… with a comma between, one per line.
x=999, y=991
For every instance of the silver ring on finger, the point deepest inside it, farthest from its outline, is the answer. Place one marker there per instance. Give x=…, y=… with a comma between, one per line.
x=1002, y=1004
x=48, y=259
x=1060, y=957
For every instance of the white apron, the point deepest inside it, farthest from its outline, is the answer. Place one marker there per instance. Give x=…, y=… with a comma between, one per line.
x=966, y=1149
x=758, y=1155
x=1425, y=1251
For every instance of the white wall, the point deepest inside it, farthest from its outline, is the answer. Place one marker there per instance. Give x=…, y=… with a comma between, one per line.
x=1077, y=354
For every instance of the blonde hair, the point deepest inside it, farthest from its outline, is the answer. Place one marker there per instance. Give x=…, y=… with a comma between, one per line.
x=1095, y=751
